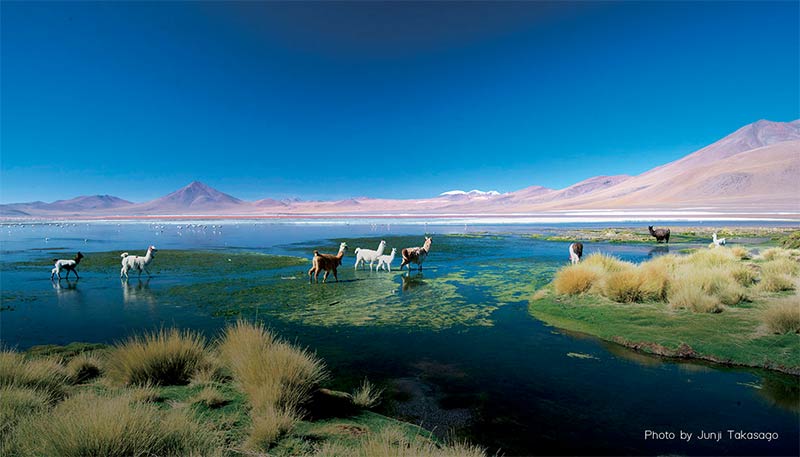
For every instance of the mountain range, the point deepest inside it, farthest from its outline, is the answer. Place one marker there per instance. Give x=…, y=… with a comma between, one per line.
x=754, y=170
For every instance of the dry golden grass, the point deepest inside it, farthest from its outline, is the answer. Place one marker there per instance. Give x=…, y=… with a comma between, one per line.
x=275, y=376
x=84, y=367
x=17, y=403
x=783, y=316
x=210, y=397
x=143, y=394
x=209, y=372
x=740, y=253
x=392, y=441
x=705, y=281
x=624, y=286
x=269, y=425
x=90, y=424
x=606, y=263
x=367, y=395
x=44, y=375
x=775, y=282
x=166, y=357
x=576, y=279
x=692, y=297
x=745, y=275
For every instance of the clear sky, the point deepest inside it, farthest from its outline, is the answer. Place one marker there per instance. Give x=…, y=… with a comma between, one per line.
x=333, y=100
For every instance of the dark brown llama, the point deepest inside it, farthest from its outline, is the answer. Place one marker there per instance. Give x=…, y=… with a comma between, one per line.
x=660, y=234
x=326, y=262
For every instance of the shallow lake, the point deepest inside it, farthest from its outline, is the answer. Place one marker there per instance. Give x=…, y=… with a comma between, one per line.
x=454, y=346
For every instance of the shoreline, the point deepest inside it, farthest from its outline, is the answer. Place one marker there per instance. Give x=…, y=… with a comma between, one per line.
x=442, y=219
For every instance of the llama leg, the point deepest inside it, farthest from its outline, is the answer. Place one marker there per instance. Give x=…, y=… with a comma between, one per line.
x=325, y=277
x=147, y=271
x=335, y=276
x=76, y=274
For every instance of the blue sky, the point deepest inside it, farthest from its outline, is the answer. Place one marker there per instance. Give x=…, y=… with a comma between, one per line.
x=403, y=100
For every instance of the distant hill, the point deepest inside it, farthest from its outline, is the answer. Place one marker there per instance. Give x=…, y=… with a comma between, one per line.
x=755, y=169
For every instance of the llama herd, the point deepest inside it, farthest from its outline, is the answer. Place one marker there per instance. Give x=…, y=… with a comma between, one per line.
x=129, y=262
x=329, y=263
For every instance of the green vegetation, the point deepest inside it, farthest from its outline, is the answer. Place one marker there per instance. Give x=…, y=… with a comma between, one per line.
x=172, y=393
x=167, y=357
x=700, y=235
x=713, y=304
x=178, y=261
x=367, y=395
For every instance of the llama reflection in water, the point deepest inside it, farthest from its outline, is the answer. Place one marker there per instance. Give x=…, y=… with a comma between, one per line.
x=137, y=292
x=411, y=282
x=66, y=290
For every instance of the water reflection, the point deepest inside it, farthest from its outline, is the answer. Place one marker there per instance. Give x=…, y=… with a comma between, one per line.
x=411, y=282
x=138, y=292
x=65, y=287
x=658, y=250
x=781, y=391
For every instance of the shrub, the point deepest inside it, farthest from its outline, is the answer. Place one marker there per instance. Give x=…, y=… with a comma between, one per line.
x=84, y=367
x=740, y=253
x=791, y=241
x=275, y=376
x=209, y=372
x=269, y=425
x=606, y=263
x=576, y=279
x=17, y=403
x=692, y=297
x=391, y=441
x=210, y=398
x=744, y=275
x=783, y=316
x=367, y=395
x=624, y=286
x=90, y=424
x=166, y=357
x=781, y=266
x=44, y=375
x=271, y=372
x=775, y=282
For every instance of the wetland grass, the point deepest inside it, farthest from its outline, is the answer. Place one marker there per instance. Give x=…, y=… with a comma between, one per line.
x=165, y=357
x=246, y=396
x=712, y=304
x=367, y=395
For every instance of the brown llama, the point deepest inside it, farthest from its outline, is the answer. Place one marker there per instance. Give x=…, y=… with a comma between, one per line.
x=416, y=255
x=660, y=234
x=327, y=262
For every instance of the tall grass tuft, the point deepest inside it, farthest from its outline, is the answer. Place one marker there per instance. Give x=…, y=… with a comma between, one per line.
x=776, y=274
x=392, y=441
x=210, y=397
x=166, y=357
x=84, y=367
x=367, y=395
x=740, y=253
x=91, y=424
x=17, y=403
x=624, y=286
x=783, y=316
x=268, y=425
x=276, y=377
x=44, y=375
x=576, y=279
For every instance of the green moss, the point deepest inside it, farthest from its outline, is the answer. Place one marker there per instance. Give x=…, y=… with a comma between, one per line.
x=733, y=336
x=64, y=352
x=179, y=261
x=232, y=419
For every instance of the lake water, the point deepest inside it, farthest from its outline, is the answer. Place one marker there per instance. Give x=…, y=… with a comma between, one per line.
x=454, y=346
